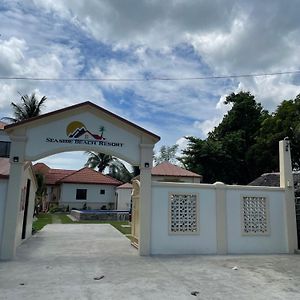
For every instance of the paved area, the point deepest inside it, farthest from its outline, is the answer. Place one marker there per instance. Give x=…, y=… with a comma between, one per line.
x=69, y=262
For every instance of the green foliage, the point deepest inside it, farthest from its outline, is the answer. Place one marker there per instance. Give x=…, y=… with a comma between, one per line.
x=284, y=122
x=41, y=187
x=29, y=107
x=115, y=166
x=166, y=153
x=98, y=160
x=245, y=144
x=41, y=221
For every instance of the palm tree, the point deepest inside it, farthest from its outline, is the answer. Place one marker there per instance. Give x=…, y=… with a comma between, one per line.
x=29, y=107
x=116, y=168
x=98, y=160
x=41, y=192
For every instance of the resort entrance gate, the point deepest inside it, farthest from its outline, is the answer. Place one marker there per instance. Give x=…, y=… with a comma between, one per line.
x=82, y=127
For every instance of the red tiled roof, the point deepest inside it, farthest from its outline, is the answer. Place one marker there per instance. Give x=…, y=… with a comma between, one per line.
x=55, y=175
x=125, y=186
x=4, y=167
x=41, y=168
x=168, y=169
x=90, y=176
x=2, y=124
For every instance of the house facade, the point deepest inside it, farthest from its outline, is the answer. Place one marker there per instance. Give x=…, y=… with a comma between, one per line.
x=78, y=189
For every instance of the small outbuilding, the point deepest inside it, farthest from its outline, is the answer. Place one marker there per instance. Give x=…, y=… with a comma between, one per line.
x=123, y=201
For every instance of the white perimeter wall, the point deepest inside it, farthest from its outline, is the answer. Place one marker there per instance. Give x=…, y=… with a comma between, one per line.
x=275, y=242
x=124, y=199
x=162, y=242
x=94, y=199
x=3, y=192
x=206, y=241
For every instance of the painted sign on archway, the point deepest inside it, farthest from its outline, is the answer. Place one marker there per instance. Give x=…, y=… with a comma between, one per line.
x=78, y=134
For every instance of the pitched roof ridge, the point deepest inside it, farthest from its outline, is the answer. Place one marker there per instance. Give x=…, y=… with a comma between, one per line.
x=168, y=164
x=64, y=170
x=68, y=175
x=125, y=185
x=92, y=170
x=106, y=175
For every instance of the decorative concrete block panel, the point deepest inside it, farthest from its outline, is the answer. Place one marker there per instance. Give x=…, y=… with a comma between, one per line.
x=255, y=215
x=183, y=213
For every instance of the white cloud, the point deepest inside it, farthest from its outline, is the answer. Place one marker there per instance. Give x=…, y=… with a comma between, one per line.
x=232, y=37
x=207, y=125
x=221, y=37
x=68, y=161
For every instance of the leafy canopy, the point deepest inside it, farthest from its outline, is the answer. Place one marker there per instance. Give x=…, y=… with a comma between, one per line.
x=166, y=153
x=245, y=144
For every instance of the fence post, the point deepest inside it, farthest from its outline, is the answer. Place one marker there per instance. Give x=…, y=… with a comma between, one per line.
x=287, y=182
x=221, y=217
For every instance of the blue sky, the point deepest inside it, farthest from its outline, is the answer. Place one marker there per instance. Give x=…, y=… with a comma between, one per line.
x=145, y=39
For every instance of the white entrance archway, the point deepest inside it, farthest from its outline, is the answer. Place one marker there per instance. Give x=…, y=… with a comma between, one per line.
x=81, y=127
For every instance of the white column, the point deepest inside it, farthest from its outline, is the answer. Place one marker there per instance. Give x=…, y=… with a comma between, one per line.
x=287, y=182
x=12, y=207
x=145, y=199
x=221, y=217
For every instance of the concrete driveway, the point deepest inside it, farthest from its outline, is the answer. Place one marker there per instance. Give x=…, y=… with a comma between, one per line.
x=68, y=262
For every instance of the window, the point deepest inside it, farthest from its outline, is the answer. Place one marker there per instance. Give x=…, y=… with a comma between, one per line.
x=102, y=192
x=183, y=214
x=81, y=194
x=254, y=215
x=4, y=149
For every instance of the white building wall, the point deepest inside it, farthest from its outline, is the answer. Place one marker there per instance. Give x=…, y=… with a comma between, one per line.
x=27, y=175
x=162, y=242
x=3, y=192
x=3, y=136
x=94, y=199
x=123, y=199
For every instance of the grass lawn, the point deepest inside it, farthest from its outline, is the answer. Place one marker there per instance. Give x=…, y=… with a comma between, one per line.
x=44, y=219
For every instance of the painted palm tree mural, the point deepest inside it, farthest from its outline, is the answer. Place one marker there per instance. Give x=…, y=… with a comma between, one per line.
x=102, y=129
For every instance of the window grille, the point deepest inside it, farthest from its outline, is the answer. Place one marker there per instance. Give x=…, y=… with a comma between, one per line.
x=184, y=214
x=254, y=215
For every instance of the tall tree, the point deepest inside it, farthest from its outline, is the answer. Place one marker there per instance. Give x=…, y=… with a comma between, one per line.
x=284, y=122
x=166, y=153
x=226, y=154
x=29, y=107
